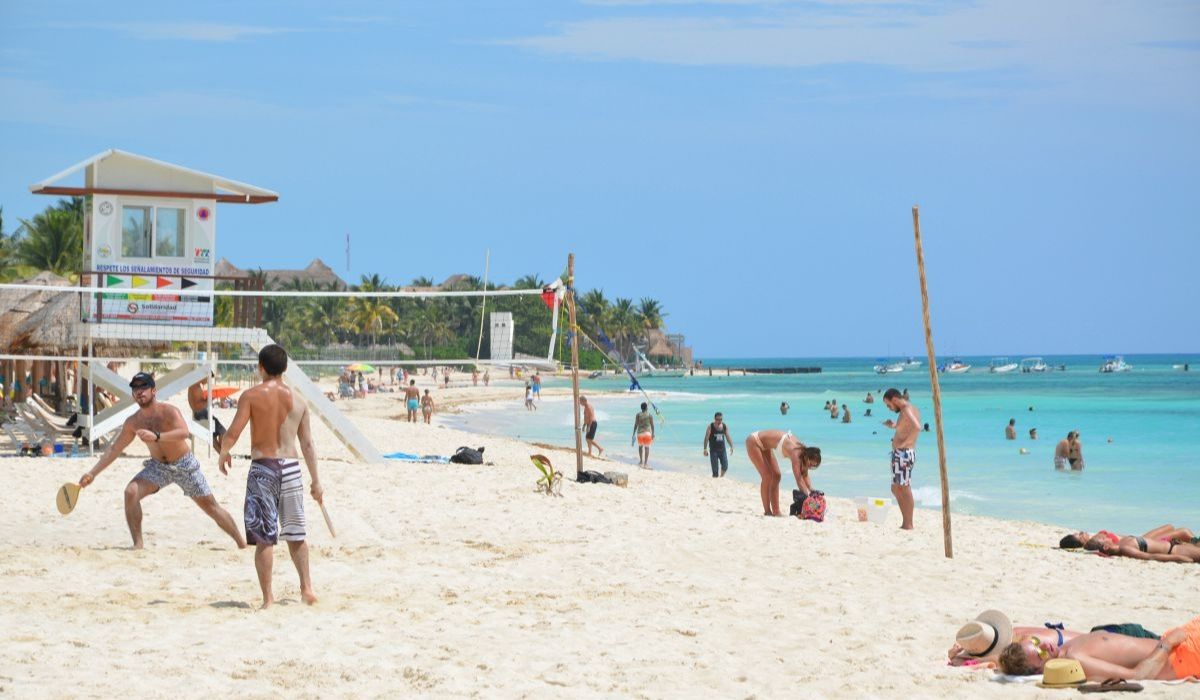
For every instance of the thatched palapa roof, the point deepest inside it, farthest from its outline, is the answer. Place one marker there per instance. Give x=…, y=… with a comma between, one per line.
x=317, y=272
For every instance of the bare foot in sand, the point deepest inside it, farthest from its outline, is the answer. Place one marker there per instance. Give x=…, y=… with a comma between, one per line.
x=308, y=597
x=267, y=602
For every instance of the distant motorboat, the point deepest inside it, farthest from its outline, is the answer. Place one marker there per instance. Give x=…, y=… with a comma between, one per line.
x=911, y=362
x=1180, y=368
x=955, y=366
x=889, y=368
x=1001, y=365
x=1034, y=364
x=1113, y=364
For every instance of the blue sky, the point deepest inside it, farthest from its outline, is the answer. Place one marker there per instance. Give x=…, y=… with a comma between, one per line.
x=750, y=164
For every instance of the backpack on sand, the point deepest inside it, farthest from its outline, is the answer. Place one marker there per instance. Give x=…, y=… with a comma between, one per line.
x=466, y=455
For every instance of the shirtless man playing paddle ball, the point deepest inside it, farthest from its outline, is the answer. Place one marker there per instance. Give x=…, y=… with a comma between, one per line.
x=274, y=489
x=162, y=428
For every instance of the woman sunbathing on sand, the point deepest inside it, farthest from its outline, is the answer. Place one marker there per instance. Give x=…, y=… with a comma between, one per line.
x=761, y=448
x=1166, y=532
x=1147, y=548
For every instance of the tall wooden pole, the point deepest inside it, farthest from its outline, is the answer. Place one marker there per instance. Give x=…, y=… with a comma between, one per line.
x=569, y=297
x=937, y=389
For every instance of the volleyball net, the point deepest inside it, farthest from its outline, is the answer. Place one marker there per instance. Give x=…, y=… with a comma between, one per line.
x=158, y=318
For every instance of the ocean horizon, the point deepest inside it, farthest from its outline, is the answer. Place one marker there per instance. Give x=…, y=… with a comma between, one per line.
x=1138, y=429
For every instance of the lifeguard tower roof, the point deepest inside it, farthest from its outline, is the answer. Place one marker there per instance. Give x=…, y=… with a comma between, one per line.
x=117, y=172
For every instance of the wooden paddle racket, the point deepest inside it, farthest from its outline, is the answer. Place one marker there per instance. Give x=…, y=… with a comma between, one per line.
x=328, y=522
x=68, y=496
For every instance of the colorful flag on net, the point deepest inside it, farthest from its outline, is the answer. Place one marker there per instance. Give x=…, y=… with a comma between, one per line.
x=548, y=297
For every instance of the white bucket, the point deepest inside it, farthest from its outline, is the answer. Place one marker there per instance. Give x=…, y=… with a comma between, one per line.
x=872, y=510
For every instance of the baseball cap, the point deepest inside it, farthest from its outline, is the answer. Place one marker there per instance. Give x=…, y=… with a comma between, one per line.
x=141, y=379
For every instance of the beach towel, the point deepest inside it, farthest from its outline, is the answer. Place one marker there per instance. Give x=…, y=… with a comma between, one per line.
x=423, y=459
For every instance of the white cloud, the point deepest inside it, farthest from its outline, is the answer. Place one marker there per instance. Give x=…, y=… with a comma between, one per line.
x=188, y=31
x=1074, y=47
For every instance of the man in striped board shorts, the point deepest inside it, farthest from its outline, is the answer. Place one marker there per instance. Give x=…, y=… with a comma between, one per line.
x=274, y=507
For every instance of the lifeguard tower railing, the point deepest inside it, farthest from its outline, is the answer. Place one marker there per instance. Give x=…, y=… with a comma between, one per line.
x=247, y=310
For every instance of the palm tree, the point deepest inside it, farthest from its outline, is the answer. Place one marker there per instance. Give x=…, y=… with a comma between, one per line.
x=11, y=267
x=595, y=308
x=624, y=326
x=422, y=282
x=372, y=315
x=651, y=313
x=433, y=329
x=52, y=240
x=529, y=282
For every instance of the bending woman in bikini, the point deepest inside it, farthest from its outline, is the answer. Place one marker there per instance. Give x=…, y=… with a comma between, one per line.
x=762, y=447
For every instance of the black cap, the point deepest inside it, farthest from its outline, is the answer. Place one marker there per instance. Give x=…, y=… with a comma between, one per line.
x=141, y=379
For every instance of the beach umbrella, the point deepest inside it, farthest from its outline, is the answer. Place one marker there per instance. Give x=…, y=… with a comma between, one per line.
x=361, y=367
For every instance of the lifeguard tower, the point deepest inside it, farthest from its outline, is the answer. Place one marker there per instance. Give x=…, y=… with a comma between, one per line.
x=150, y=234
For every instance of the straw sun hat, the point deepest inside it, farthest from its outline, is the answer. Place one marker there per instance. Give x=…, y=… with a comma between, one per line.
x=1062, y=673
x=988, y=633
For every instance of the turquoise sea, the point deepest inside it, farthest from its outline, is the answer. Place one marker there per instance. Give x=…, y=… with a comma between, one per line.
x=1147, y=475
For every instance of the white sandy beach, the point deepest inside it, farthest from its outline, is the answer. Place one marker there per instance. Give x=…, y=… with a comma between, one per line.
x=461, y=581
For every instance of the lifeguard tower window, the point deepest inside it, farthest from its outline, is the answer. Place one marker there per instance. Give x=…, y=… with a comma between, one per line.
x=150, y=231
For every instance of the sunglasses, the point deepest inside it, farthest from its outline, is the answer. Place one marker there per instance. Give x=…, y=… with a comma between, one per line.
x=1037, y=646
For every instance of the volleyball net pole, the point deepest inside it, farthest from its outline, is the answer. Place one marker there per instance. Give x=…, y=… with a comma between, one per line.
x=570, y=298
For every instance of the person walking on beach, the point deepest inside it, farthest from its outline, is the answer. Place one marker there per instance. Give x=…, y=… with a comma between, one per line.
x=198, y=402
x=274, y=507
x=537, y=385
x=529, y=397
x=412, y=400
x=474, y=376
x=761, y=447
x=1062, y=450
x=1010, y=430
x=904, y=451
x=589, y=426
x=162, y=428
x=487, y=377
x=427, y=407
x=643, y=434
x=718, y=444
x=1075, y=453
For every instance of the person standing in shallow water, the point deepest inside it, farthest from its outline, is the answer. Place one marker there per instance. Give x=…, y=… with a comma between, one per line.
x=1010, y=431
x=904, y=451
x=643, y=434
x=718, y=444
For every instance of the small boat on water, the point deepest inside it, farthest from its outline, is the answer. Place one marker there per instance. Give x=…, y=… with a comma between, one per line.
x=1180, y=368
x=1113, y=364
x=889, y=367
x=1001, y=365
x=955, y=366
x=911, y=362
x=1034, y=364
